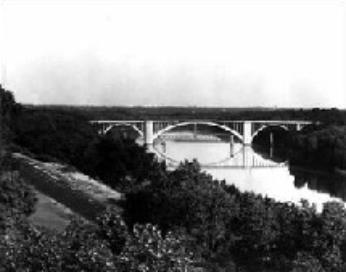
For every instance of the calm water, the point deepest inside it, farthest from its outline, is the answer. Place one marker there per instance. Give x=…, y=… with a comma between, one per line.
x=251, y=171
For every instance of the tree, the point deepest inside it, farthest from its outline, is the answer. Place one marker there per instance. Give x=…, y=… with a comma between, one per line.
x=186, y=199
x=120, y=163
x=55, y=135
x=304, y=262
x=149, y=250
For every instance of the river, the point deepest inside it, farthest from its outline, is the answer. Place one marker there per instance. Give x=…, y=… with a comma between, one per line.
x=252, y=171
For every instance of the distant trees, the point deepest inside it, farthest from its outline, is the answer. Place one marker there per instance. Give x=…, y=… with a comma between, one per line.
x=325, y=147
x=327, y=116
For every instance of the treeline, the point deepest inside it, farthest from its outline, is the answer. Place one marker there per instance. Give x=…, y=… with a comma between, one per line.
x=325, y=147
x=322, y=146
x=8, y=110
x=328, y=116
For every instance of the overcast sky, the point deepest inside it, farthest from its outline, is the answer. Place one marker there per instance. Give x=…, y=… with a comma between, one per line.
x=202, y=53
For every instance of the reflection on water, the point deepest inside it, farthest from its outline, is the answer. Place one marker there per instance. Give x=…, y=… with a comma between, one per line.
x=251, y=171
x=332, y=184
x=213, y=154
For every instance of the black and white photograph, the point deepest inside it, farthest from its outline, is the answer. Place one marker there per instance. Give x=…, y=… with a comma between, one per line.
x=172, y=136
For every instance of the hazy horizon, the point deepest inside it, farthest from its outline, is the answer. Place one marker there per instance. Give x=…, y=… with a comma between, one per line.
x=264, y=108
x=228, y=54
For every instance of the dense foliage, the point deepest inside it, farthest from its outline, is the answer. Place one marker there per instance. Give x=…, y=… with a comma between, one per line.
x=328, y=116
x=60, y=136
x=120, y=162
x=325, y=147
x=320, y=145
x=16, y=198
x=88, y=247
x=9, y=109
x=54, y=135
x=186, y=199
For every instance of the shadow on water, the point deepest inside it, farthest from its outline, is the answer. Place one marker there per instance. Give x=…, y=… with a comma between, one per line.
x=323, y=182
x=275, y=154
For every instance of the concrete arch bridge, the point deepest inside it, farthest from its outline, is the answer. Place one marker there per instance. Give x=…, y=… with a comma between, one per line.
x=244, y=130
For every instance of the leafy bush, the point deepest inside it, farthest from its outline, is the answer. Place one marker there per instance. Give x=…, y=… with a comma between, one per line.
x=9, y=109
x=16, y=197
x=54, y=135
x=82, y=248
x=117, y=162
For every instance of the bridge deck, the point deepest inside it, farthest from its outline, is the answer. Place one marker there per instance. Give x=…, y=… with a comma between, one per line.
x=205, y=120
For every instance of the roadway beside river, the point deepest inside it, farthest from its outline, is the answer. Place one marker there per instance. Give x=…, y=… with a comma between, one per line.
x=51, y=214
x=83, y=195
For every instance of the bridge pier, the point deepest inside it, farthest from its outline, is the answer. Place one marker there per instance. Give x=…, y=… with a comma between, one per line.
x=149, y=132
x=247, y=132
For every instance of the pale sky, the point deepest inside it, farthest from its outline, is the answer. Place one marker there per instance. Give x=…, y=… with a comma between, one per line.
x=201, y=53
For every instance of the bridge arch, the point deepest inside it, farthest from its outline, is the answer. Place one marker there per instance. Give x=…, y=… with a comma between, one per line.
x=110, y=127
x=263, y=127
x=212, y=124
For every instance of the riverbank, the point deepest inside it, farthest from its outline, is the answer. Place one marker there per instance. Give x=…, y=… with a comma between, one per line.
x=338, y=172
x=80, y=193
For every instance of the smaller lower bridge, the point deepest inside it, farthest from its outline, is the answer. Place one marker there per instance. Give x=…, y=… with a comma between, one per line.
x=244, y=130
